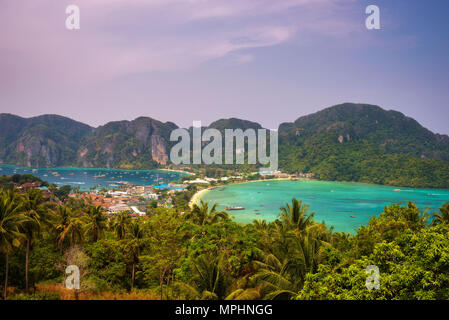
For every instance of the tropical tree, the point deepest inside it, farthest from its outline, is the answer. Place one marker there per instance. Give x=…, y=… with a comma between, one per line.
x=443, y=216
x=203, y=215
x=95, y=222
x=120, y=224
x=413, y=217
x=11, y=221
x=69, y=225
x=295, y=216
x=261, y=225
x=281, y=268
x=274, y=277
x=210, y=278
x=134, y=235
x=33, y=206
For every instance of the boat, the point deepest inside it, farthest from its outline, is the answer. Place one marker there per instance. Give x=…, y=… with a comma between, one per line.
x=235, y=208
x=397, y=190
x=352, y=216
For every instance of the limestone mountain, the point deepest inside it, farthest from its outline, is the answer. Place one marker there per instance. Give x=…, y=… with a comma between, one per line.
x=141, y=143
x=348, y=142
x=43, y=141
x=357, y=142
x=234, y=123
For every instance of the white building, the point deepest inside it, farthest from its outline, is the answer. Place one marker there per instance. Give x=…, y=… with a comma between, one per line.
x=118, y=208
x=137, y=211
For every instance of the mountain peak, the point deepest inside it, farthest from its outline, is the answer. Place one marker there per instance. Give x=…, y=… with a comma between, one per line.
x=234, y=123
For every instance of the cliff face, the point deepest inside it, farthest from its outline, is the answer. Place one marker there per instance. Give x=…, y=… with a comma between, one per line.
x=141, y=143
x=42, y=141
x=159, y=150
x=49, y=141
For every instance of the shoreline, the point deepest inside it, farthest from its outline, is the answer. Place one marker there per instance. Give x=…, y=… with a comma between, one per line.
x=189, y=173
x=196, y=197
x=91, y=168
x=173, y=170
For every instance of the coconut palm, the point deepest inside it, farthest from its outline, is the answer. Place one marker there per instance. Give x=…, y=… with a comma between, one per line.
x=95, y=222
x=209, y=277
x=11, y=221
x=443, y=216
x=120, y=224
x=280, y=274
x=34, y=208
x=135, y=234
x=245, y=294
x=273, y=277
x=68, y=225
x=412, y=215
x=261, y=225
x=203, y=215
x=295, y=216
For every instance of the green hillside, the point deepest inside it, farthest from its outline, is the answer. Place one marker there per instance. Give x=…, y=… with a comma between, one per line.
x=43, y=141
x=364, y=143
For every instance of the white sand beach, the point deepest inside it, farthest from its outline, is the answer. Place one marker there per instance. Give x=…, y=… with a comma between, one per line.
x=195, y=198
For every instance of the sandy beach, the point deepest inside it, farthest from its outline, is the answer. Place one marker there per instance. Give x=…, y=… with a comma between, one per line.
x=180, y=171
x=197, y=196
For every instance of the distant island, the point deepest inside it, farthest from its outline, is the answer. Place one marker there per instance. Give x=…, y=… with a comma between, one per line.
x=347, y=142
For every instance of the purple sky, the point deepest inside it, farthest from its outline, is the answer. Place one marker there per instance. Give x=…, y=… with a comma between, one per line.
x=269, y=61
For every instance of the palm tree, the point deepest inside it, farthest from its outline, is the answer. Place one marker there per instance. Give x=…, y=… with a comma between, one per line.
x=295, y=216
x=11, y=220
x=210, y=278
x=245, y=294
x=95, y=222
x=68, y=225
x=120, y=224
x=134, y=235
x=203, y=215
x=280, y=274
x=261, y=225
x=34, y=209
x=273, y=277
x=443, y=216
x=413, y=217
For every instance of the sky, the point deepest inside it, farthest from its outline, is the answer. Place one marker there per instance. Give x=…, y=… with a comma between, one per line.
x=269, y=61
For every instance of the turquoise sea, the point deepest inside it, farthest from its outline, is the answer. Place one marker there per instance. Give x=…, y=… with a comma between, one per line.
x=333, y=202
x=86, y=178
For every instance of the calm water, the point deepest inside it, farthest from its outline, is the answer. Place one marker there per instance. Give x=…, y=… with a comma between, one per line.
x=86, y=178
x=332, y=202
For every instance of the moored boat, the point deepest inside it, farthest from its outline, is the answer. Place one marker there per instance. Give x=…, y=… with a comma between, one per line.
x=235, y=208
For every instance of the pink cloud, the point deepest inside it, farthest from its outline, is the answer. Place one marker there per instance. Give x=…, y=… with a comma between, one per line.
x=120, y=37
